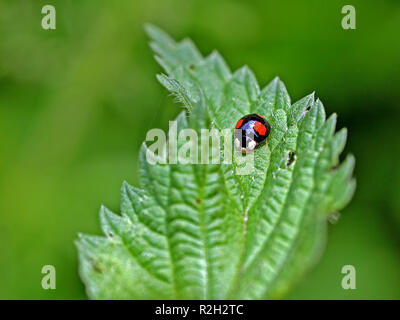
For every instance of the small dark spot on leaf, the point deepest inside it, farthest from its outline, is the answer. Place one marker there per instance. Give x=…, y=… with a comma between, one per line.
x=304, y=113
x=334, y=217
x=198, y=201
x=191, y=66
x=95, y=266
x=291, y=158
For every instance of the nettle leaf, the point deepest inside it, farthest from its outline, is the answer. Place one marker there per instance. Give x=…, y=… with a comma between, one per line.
x=204, y=231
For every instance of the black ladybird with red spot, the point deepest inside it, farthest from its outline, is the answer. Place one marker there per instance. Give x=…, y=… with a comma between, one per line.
x=251, y=130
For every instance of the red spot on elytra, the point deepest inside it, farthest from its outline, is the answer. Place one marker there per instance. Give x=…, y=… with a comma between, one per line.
x=260, y=128
x=239, y=123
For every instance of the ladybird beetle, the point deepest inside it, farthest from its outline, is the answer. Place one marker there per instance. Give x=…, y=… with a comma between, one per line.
x=251, y=130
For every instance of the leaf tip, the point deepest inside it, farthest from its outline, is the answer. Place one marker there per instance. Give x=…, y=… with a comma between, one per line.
x=351, y=159
x=162, y=78
x=148, y=27
x=102, y=209
x=125, y=185
x=153, y=31
x=343, y=133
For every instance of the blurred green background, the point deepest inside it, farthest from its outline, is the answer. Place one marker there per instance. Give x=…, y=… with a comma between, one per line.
x=76, y=103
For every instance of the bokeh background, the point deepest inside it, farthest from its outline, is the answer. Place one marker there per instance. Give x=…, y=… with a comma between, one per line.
x=76, y=103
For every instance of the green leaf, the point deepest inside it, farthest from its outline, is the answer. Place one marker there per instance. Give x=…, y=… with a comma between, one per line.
x=204, y=231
